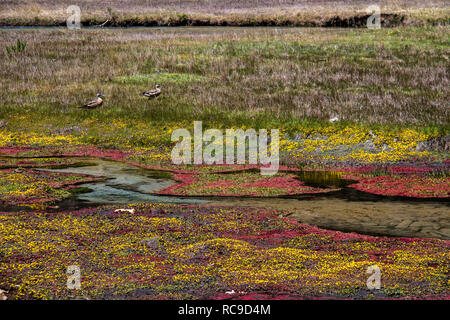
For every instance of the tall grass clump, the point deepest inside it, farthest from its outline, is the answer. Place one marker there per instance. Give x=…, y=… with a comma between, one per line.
x=16, y=48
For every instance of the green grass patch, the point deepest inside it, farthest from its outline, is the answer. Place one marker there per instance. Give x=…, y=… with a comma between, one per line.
x=175, y=78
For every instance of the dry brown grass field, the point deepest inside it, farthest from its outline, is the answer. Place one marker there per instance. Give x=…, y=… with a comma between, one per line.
x=224, y=12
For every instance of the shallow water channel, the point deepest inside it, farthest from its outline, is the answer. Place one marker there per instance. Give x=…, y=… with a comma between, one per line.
x=347, y=210
x=124, y=184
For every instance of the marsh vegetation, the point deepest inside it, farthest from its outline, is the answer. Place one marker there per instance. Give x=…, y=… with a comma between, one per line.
x=257, y=77
x=387, y=89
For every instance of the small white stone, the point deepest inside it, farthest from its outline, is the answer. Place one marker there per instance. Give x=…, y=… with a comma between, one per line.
x=334, y=119
x=124, y=210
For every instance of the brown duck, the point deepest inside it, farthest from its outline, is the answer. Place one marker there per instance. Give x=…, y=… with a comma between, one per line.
x=94, y=103
x=152, y=93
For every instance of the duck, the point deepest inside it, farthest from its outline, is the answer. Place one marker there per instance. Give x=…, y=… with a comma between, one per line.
x=94, y=103
x=153, y=93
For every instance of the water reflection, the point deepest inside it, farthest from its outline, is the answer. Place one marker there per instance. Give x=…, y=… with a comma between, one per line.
x=323, y=179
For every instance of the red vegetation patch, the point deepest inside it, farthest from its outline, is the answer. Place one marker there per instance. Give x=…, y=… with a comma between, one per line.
x=405, y=186
x=240, y=184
